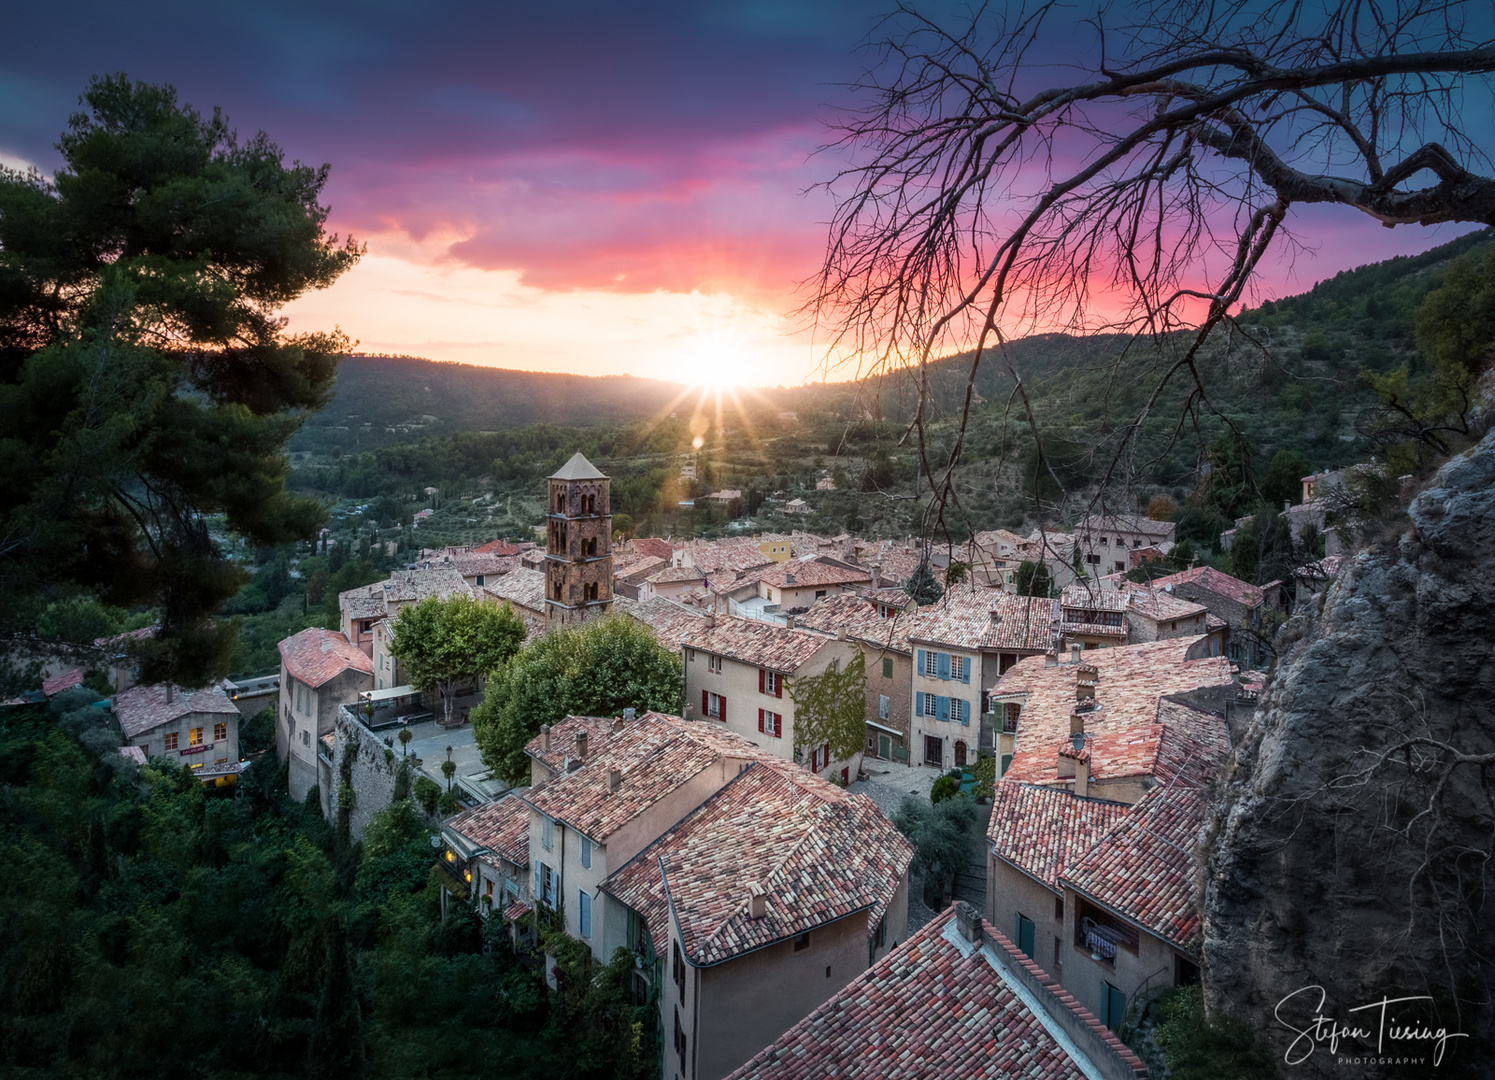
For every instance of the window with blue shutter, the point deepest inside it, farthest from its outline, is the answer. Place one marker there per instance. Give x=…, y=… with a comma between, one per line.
x=586, y=853
x=919, y=703
x=944, y=665
x=965, y=670
x=923, y=666
x=584, y=913
x=963, y=709
x=943, y=707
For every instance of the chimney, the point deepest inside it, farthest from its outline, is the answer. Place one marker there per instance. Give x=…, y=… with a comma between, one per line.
x=1082, y=778
x=628, y=714
x=545, y=738
x=1076, y=651
x=789, y=581
x=757, y=901
x=1287, y=504
x=840, y=633
x=581, y=744
x=789, y=621
x=709, y=619
x=169, y=693
x=876, y=575
x=996, y=617
x=968, y=922
x=618, y=726
x=689, y=714
x=1050, y=660
x=1086, y=678
x=614, y=779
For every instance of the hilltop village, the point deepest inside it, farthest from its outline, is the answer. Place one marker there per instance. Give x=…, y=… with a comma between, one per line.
x=755, y=875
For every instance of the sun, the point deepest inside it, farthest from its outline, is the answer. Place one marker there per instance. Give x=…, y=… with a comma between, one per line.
x=716, y=356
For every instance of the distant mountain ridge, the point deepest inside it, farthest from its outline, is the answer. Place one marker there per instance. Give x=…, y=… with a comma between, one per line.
x=386, y=400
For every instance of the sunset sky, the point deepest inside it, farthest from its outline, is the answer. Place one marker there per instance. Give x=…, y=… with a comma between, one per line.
x=568, y=186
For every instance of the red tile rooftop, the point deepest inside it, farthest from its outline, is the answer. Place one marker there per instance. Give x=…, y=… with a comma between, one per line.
x=142, y=708
x=316, y=656
x=986, y=618
x=940, y=1008
x=1132, y=679
x=1042, y=830
x=1144, y=869
x=818, y=853
x=760, y=644
x=807, y=573
x=65, y=681
x=1216, y=581
x=501, y=827
x=652, y=755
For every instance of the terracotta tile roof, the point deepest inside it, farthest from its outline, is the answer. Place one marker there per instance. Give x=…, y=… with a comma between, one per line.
x=760, y=644
x=141, y=708
x=819, y=853
x=671, y=575
x=898, y=561
x=809, y=573
x=402, y=587
x=998, y=538
x=962, y=619
x=501, y=827
x=852, y=612
x=1041, y=830
x=652, y=545
x=892, y=596
x=1160, y=606
x=1198, y=724
x=118, y=641
x=496, y=547
x=655, y=754
x=732, y=553
x=1215, y=581
x=563, y=739
x=522, y=586
x=315, y=656
x=1144, y=869
x=65, y=681
x=1132, y=678
x=516, y=911
x=671, y=621
x=938, y=1007
x=1093, y=598
x=1157, y=750
x=486, y=565
x=640, y=569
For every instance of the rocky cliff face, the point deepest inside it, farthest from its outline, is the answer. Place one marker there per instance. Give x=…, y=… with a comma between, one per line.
x=1353, y=846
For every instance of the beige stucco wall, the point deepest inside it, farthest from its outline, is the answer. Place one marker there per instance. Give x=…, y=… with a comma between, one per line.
x=1010, y=892
x=748, y=1002
x=299, y=725
x=1153, y=965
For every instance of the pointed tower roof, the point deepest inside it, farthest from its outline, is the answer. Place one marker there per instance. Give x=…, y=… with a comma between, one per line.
x=578, y=468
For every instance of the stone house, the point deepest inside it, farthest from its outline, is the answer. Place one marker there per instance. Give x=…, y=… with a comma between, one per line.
x=601, y=791
x=199, y=728
x=523, y=589
x=1089, y=844
x=485, y=856
x=957, y=998
x=961, y=645
x=738, y=673
x=1093, y=616
x=1104, y=540
x=771, y=896
x=795, y=585
x=1250, y=612
x=361, y=608
x=1156, y=614
x=319, y=671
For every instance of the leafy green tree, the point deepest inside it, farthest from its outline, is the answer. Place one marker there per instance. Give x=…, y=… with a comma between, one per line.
x=923, y=586
x=832, y=707
x=1031, y=578
x=596, y=669
x=442, y=641
x=1283, y=482
x=145, y=378
x=941, y=838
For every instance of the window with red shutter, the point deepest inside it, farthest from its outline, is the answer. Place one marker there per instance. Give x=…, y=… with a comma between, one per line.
x=778, y=725
x=705, y=703
x=721, y=704
x=762, y=677
x=760, y=719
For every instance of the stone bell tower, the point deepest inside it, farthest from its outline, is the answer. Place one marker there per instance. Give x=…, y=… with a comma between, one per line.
x=578, y=544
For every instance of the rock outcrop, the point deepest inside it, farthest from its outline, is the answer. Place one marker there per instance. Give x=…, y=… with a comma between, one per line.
x=1353, y=845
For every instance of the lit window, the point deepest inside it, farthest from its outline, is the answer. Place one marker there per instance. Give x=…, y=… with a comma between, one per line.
x=194, y=737
x=958, y=668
